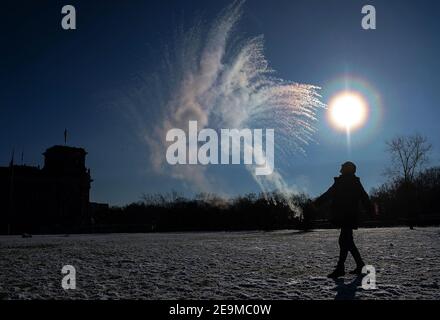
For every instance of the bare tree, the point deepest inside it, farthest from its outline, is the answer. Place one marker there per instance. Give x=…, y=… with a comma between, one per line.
x=409, y=154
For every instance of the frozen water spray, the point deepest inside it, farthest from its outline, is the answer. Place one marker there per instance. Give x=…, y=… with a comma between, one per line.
x=223, y=81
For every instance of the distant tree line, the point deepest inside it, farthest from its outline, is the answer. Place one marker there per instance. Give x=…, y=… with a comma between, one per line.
x=412, y=192
x=172, y=212
x=414, y=202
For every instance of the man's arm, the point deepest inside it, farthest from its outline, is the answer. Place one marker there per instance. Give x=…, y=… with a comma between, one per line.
x=365, y=199
x=326, y=196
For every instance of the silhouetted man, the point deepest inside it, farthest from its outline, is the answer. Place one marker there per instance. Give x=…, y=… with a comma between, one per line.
x=345, y=195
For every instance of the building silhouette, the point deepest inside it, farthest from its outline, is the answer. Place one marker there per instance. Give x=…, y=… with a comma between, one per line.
x=52, y=199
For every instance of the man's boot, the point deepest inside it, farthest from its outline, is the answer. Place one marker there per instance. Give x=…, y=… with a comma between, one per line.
x=359, y=262
x=338, y=272
x=358, y=269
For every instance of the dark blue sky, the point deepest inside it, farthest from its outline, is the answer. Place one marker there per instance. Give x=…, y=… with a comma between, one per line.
x=53, y=79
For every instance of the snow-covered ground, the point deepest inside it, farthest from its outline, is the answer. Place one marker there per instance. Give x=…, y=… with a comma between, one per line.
x=223, y=265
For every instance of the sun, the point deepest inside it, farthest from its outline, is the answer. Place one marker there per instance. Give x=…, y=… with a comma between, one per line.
x=347, y=110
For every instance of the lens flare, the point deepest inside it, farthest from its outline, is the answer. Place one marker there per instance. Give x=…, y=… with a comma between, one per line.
x=347, y=110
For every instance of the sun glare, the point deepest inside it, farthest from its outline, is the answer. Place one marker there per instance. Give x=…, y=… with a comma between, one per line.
x=347, y=110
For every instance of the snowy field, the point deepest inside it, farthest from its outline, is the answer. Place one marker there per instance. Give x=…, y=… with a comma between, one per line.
x=238, y=265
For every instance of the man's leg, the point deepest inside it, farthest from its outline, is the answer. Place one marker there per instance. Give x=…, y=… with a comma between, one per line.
x=343, y=252
x=344, y=246
x=355, y=253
